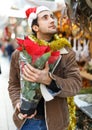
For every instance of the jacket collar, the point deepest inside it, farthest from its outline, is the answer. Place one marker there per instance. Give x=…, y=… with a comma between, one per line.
x=63, y=51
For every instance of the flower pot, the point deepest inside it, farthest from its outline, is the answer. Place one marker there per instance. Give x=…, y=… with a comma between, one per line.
x=28, y=107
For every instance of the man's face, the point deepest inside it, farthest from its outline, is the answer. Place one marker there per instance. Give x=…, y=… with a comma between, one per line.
x=46, y=22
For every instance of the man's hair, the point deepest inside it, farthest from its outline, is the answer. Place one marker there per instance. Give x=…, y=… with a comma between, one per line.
x=34, y=22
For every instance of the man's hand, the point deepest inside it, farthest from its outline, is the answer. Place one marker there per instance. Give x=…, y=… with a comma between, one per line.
x=35, y=75
x=24, y=116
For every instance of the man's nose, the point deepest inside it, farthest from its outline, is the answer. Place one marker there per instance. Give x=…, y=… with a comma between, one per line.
x=52, y=20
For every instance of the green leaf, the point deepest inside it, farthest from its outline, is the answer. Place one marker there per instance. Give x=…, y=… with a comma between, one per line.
x=40, y=62
x=30, y=95
x=27, y=56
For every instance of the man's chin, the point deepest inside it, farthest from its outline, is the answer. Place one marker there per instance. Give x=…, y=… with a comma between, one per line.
x=54, y=31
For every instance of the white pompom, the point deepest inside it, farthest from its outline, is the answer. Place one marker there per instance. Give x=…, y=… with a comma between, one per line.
x=32, y=16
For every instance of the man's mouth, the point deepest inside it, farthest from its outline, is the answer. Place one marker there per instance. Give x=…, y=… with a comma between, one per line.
x=54, y=27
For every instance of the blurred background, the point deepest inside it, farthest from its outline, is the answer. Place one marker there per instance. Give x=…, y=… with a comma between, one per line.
x=74, y=21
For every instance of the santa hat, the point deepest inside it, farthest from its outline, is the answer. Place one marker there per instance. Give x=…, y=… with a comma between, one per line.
x=31, y=13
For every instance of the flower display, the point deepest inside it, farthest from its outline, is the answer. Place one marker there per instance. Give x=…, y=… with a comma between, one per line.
x=37, y=55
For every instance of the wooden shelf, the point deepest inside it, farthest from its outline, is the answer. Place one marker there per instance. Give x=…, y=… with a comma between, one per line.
x=86, y=75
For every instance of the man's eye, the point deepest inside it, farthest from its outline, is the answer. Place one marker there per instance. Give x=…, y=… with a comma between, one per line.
x=45, y=17
x=52, y=17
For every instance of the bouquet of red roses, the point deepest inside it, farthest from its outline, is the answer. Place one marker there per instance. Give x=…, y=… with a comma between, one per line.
x=37, y=55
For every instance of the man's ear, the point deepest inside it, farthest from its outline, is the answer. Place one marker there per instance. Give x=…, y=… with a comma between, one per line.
x=35, y=28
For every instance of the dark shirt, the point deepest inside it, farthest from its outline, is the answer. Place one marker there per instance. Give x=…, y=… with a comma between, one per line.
x=40, y=108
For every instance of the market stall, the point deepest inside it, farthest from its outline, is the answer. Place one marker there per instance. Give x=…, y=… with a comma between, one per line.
x=75, y=23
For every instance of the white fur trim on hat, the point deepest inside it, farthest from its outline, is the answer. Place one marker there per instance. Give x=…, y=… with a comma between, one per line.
x=33, y=16
x=41, y=8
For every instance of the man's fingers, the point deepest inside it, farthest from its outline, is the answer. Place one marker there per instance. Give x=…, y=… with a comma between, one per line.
x=47, y=66
x=22, y=116
x=18, y=106
x=33, y=115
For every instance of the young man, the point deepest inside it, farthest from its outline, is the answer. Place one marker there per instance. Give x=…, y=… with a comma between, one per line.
x=65, y=81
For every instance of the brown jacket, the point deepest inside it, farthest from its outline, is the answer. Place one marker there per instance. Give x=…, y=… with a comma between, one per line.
x=67, y=78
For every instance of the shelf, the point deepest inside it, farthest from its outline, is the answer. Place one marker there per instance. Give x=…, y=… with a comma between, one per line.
x=83, y=105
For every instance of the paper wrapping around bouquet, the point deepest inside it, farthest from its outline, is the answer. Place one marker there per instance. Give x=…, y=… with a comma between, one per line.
x=45, y=93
